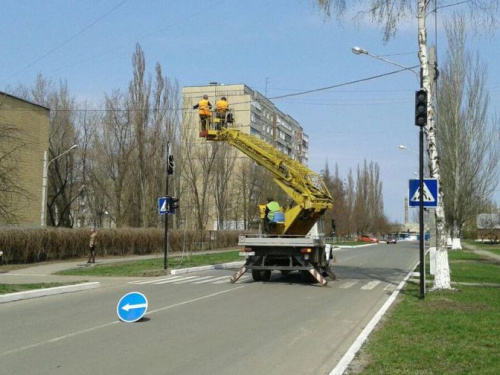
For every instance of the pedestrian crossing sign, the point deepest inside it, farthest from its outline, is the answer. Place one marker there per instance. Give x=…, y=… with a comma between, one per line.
x=163, y=205
x=429, y=193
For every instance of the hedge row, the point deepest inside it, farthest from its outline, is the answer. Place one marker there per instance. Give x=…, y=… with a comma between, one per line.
x=29, y=245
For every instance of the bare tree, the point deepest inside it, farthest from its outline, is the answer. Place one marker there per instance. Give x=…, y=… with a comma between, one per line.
x=108, y=165
x=467, y=140
x=10, y=188
x=223, y=170
x=197, y=174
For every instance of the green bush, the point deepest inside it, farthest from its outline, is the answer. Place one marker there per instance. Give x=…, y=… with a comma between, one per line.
x=29, y=245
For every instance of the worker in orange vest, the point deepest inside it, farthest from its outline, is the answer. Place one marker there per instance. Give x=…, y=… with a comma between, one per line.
x=221, y=108
x=204, y=109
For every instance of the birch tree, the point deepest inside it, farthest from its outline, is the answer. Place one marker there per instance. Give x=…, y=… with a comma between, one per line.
x=388, y=13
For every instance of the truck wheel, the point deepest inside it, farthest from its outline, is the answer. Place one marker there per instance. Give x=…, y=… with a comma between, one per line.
x=265, y=275
x=256, y=276
x=307, y=277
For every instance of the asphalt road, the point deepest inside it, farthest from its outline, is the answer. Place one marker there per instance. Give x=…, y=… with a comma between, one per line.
x=200, y=323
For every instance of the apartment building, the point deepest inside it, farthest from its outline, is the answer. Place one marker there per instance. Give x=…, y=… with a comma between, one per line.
x=24, y=137
x=253, y=114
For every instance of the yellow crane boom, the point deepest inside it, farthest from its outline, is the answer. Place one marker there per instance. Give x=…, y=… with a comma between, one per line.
x=306, y=188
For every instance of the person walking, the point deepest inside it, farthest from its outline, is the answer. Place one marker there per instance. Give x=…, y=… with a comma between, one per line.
x=92, y=245
x=204, y=109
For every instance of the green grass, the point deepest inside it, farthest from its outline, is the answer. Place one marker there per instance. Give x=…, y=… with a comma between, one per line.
x=152, y=267
x=15, y=288
x=448, y=332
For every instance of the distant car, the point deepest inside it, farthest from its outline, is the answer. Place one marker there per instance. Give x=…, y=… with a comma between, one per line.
x=367, y=238
x=392, y=239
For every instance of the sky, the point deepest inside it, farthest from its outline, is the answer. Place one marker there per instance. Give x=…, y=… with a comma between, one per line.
x=276, y=47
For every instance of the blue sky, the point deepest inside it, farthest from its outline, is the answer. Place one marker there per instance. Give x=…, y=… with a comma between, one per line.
x=276, y=47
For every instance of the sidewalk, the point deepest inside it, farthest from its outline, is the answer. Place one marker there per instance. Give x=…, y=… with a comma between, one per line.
x=485, y=253
x=44, y=273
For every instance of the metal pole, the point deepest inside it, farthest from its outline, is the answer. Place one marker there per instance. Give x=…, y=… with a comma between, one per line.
x=44, y=189
x=421, y=213
x=165, y=239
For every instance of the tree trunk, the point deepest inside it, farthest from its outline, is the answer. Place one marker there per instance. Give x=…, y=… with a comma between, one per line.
x=442, y=276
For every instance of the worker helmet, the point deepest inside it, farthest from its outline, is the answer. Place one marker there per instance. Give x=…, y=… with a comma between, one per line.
x=205, y=96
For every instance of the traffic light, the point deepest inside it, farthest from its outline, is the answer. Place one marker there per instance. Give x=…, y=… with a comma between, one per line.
x=170, y=165
x=421, y=108
x=173, y=205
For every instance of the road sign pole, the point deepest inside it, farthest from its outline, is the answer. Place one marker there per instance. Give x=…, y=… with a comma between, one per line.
x=165, y=238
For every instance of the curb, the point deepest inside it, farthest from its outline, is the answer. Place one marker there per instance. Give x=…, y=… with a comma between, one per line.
x=347, y=358
x=48, y=291
x=11, y=297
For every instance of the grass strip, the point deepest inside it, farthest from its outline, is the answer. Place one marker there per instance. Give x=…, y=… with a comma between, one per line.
x=448, y=332
x=152, y=267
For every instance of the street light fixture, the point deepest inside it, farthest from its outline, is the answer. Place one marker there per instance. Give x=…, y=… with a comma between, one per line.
x=362, y=51
x=403, y=147
x=44, y=180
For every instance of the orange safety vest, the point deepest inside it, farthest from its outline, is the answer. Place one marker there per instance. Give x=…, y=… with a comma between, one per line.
x=204, y=108
x=222, y=106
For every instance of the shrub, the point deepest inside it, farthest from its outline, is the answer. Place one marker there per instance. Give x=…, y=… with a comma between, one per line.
x=29, y=245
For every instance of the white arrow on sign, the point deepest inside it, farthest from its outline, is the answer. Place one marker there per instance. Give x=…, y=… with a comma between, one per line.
x=128, y=306
x=427, y=195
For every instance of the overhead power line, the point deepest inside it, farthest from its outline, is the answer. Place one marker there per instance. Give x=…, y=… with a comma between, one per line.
x=65, y=42
x=272, y=98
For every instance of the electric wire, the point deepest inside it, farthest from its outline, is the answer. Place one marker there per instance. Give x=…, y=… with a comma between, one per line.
x=65, y=42
x=280, y=97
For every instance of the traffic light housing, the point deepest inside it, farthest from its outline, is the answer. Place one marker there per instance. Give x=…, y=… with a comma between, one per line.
x=421, y=108
x=173, y=204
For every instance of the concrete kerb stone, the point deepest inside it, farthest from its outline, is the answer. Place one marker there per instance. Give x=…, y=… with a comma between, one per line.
x=11, y=297
x=48, y=291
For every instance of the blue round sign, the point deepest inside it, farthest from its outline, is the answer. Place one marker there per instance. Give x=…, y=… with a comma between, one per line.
x=132, y=307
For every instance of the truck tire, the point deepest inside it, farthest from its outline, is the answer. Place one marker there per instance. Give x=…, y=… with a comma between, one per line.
x=307, y=277
x=259, y=275
x=265, y=275
x=256, y=276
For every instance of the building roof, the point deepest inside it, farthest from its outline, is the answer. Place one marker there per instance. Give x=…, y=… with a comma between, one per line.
x=24, y=100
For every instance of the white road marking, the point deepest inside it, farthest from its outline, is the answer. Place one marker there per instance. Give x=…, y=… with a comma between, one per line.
x=140, y=282
x=188, y=280
x=348, y=284
x=370, y=285
x=211, y=280
x=69, y=335
x=172, y=280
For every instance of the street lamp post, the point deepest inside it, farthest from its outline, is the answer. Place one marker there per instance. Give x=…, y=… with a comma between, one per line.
x=361, y=51
x=44, y=180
